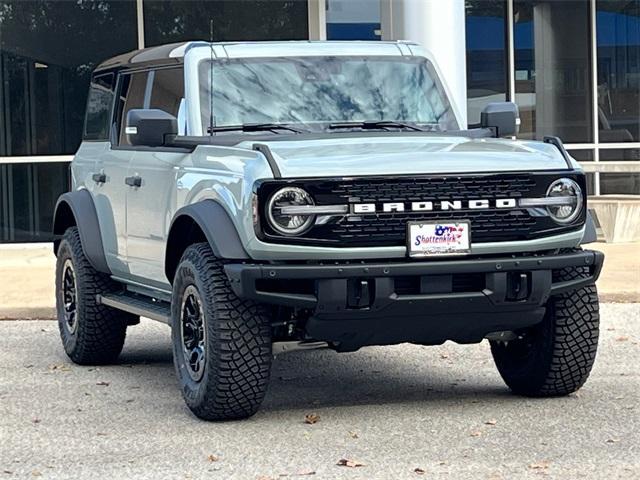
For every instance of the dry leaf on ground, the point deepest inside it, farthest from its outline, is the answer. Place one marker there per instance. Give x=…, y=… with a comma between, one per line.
x=491, y=422
x=213, y=458
x=420, y=471
x=344, y=462
x=311, y=418
x=103, y=384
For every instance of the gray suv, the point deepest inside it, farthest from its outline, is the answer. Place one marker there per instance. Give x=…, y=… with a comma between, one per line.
x=267, y=197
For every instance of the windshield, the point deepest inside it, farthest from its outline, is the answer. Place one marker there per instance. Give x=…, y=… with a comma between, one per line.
x=315, y=92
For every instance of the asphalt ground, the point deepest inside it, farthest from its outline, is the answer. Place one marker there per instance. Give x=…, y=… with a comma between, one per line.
x=442, y=410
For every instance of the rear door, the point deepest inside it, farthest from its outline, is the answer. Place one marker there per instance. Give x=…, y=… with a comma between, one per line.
x=151, y=206
x=110, y=191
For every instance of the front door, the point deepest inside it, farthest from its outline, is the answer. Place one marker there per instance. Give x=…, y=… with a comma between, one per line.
x=150, y=209
x=151, y=206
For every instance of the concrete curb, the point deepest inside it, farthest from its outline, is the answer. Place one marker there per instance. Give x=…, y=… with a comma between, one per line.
x=28, y=313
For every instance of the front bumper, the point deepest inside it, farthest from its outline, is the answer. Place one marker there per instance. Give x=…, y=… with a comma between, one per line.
x=418, y=301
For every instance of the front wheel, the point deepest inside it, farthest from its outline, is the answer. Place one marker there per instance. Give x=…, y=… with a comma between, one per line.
x=221, y=343
x=555, y=357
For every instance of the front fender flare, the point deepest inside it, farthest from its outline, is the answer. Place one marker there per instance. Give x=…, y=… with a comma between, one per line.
x=80, y=204
x=217, y=227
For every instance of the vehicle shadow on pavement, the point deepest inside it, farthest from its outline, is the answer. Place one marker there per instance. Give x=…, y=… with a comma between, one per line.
x=324, y=379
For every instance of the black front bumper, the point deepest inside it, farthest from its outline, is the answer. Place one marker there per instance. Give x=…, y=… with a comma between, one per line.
x=426, y=302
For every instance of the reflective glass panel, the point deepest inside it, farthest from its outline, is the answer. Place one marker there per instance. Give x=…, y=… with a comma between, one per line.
x=553, y=69
x=486, y=55
x=620, y=184
x=28, y=194
x=177, y=21
x=618, y=25
x=47, y=52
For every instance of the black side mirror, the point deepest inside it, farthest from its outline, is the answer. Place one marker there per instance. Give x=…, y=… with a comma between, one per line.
x=504, y=117
x=148, y=127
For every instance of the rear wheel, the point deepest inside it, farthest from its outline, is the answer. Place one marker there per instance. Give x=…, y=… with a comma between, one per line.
x=91, y=333
x=554, y=357
x=221, y=343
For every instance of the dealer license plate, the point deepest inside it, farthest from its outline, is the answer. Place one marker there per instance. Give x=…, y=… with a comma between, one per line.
x=439, y=238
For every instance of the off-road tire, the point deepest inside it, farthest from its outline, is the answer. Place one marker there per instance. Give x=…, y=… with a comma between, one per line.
x=238, y=350
x=98, y=336
x=555, y=357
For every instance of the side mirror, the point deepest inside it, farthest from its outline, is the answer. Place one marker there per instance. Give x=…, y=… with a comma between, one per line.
x=148, y=127
x=504, y=117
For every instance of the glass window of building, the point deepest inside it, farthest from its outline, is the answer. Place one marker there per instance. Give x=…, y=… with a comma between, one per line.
x=620, y=183
x=486, y=55
x=28, y=193
x=353, y=20
x=168, y=22
x=618, y=27
x=47, y=53
x=553, y=72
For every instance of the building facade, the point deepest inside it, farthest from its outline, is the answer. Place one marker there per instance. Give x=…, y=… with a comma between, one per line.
x=573, y=67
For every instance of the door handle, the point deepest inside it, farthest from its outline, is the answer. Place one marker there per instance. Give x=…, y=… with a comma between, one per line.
x=99, y=177
x=134, y=181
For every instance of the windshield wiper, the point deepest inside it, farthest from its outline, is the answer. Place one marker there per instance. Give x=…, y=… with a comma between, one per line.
x=255, y=127
x=371, y=125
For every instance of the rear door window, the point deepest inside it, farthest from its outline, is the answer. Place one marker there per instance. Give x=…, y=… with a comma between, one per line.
x=99, y=107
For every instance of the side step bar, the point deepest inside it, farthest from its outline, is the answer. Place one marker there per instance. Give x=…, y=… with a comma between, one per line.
x=138, y=305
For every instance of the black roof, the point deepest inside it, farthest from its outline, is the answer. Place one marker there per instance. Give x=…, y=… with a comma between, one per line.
x=144, y=57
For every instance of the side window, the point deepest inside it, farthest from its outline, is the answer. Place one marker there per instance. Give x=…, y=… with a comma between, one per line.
x=167, y=90
x=132, y=95
x=99, y=105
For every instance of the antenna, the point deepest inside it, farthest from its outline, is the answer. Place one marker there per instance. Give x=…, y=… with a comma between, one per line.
x=211, y=116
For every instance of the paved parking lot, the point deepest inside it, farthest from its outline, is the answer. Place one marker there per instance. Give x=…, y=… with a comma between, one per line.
x=441, y=410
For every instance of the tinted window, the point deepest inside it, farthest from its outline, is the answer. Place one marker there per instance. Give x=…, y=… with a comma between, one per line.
x=132, y=95
x=486, y=25
x=48, y=50
x=167, y=90
x=619, y=70
x=553, y=69
x=167, y=22
x=99, y=107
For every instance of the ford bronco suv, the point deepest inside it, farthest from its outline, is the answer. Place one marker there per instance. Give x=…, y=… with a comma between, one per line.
x=266, y=197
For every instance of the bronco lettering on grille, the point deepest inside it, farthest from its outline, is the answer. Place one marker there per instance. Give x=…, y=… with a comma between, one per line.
x=442, y=205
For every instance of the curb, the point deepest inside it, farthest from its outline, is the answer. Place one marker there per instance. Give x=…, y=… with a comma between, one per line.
x=28, y=313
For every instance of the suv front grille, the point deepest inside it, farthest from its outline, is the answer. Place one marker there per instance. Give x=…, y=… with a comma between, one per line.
x=415, y=189
x=390, y=229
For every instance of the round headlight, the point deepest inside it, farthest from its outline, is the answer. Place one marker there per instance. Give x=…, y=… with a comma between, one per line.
x=568, y=210
x=288, y=223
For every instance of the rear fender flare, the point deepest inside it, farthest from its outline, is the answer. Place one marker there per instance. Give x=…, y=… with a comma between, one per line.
x=77, y=209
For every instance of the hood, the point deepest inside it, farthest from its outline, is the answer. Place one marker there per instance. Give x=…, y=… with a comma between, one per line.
x=341, y=155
